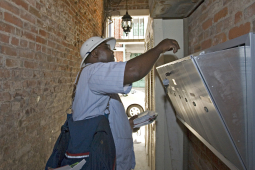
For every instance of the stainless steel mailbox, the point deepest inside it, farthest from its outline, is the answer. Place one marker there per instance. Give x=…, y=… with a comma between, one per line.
x=213, y=96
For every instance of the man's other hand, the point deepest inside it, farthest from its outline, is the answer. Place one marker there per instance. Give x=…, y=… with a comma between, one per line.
x=131, y=122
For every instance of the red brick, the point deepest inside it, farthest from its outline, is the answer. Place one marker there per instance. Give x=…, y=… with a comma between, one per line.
x=65, y=62
x=206, y=44
x=221, y=14
x=28, y=35
x=4, y=38
x=16, y=75
x=15, y=41
x=40, y=24
x=222, y=166
x=25, y=15
x=9, y=7
x=5, y=107
x=18, y=32
x=220, y=38
x=197, y=48
x=26, y=53
x=31, y=28
x=249, y=11
x=1, y=15
x=12, y=19
x=41, y=40
x=42, y=33
x=50, y=59
x=1, y=61
x=4, y=74
x=60, y=61
x=51, y=44
x=21, y=3
x=34, y=12
x=9, y=50
x=31, y=45
x=48, y=51
x=12, y=63
x=213, y=158
x=207, y=24
x=32, y=83
x=23, y=43
x=44, y=49
x=30, y=64
x=44, y=65
x=238, y=31
x=38, y=47
x=27, y=74
x=238, y=17
x=5, y=96
x=7, y=28
x=40, y=56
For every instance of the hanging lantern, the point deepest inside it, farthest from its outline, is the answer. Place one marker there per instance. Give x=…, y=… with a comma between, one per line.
x=126, y=22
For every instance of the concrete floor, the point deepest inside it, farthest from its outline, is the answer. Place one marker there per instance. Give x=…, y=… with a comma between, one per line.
x=140, y=152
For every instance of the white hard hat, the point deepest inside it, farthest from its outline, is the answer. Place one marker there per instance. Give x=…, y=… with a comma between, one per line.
x=92, y=43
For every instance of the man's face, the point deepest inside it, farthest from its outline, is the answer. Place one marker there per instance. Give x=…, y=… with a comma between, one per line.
x=104, y=52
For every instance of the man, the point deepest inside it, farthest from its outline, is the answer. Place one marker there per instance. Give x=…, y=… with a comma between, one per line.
x=100, y=82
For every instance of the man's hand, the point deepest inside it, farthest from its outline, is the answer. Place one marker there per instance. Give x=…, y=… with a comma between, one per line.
x=131, y=122
x=168, y=45
x=138, y=67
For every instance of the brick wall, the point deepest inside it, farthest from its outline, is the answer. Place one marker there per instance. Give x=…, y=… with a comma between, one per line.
x=118, y=31
x=215, y=22
x=202, y=158
x=39, y=60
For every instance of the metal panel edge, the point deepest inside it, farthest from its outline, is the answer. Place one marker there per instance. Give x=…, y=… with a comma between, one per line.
x=176, y=61
x=250, y=63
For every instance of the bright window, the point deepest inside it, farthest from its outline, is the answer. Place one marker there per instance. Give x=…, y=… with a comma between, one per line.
x=138, y=27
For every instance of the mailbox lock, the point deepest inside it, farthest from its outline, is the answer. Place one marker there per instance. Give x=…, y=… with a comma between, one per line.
x=194, y=103
x=206, y=109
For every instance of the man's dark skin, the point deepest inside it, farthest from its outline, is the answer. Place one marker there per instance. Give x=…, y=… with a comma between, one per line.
x=137, y=67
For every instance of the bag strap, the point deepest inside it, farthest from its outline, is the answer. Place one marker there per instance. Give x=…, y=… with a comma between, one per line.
x=74, y=89
x=76, y=82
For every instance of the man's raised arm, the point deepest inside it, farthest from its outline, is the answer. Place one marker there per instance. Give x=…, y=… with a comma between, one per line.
x=139, y=67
